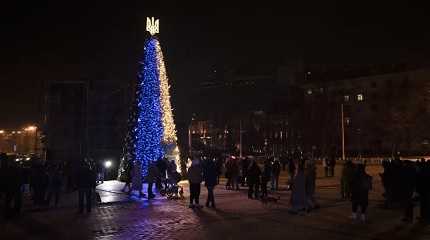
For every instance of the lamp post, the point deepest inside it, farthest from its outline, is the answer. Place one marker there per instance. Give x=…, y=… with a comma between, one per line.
x=343, y=132
x=240, y=139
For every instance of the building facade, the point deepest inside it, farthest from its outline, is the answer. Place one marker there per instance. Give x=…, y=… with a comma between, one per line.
x=384, y=114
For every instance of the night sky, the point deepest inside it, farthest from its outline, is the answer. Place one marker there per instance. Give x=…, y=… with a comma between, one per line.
x=103, y=41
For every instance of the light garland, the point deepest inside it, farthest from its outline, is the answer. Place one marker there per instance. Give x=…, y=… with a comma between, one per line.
x=169, y=133
x=149, y=128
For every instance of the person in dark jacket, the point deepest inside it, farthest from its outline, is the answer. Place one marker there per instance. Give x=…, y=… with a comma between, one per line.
x=254, y=173
x=210, y=178
x=407, y=188
x=86, y=182
x=345, y=180
x=361, y=184
x=162, y=165
x=219, y=164
x=244, y=164
x=276, y=171
x=265, y=177
x=13, y=180
x=127, y=178
x=153, y=177
x=39, y=182
x=291, y=173
x=54, y=185
x=424, y=190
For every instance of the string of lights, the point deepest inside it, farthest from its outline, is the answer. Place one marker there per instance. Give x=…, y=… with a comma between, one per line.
x=149, y=128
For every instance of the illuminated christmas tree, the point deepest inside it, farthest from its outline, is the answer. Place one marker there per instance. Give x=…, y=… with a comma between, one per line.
x=151, y=128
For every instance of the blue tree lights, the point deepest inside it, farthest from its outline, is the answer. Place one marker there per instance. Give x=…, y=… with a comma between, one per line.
x=149, y=128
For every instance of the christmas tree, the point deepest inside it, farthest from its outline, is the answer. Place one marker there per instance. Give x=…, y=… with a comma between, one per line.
x=151, y=129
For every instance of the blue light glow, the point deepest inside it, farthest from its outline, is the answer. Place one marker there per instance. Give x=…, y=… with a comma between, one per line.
x=149, y=131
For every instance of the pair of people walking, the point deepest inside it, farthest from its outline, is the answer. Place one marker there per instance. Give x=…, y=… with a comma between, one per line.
x=197, y=173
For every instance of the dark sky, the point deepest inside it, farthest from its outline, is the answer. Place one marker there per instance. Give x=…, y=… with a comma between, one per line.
x=44, y=41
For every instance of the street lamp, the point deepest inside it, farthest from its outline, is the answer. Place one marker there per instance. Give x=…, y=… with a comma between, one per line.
x=108, y=164
x=30, y=128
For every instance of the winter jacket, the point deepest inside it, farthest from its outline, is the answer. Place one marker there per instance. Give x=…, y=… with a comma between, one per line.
x=195, y=174
x=210, y=174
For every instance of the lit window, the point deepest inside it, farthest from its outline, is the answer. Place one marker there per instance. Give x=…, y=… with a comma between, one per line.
x=346, y=98
x=360, y=97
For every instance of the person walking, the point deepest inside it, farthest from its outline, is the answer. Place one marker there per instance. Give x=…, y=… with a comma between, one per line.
x=424, y=191
x=127, y=178
x=219, y=164
x=407, y=187
x=210, y=178
x=265, y=177
x=331, y=166
x=228, y=173
x=195, y=178
x=86, y=183
x=276, y=171
x=345, y=180
x=254, y=173
x=153, y=177
x=235, y=174
x=291, y=173
x=12, y=178
x=39, y=182
x=325, y=166
x=298, y=194
x=54, y=185
x=361, y=184
x=244, y=165
x=310, y=183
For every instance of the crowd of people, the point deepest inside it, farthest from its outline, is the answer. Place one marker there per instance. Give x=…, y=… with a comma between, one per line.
x=43, y=183
x=242, y=172
x=258, y=177
x=404, y=182
x=406, y=186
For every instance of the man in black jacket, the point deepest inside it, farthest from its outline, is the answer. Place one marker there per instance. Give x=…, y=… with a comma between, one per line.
x=210, y=178
x=86, y=184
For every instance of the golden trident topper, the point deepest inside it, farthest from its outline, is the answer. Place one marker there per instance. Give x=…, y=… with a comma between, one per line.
x=152, y=25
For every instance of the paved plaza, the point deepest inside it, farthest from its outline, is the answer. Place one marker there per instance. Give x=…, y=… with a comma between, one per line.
x=236, y=217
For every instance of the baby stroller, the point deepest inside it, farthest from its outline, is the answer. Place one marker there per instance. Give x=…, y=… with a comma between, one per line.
x=172, y=190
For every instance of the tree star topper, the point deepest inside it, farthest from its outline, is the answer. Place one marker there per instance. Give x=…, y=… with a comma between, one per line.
x=152, y=25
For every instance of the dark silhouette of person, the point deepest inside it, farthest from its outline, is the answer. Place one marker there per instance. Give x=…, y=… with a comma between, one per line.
x=12, y=177
x=54, y=185
x=265, y=177
x=39, y=183
x=86, y=183
x=128, y=177
x=254, y=173
x=210, y=178
x=361, y=184
x=276, y=171
x=245, y=166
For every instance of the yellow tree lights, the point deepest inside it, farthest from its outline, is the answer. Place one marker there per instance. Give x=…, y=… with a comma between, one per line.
x=169, y=128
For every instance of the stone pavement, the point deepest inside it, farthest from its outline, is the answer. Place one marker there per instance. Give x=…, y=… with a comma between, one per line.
x=237, y=217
